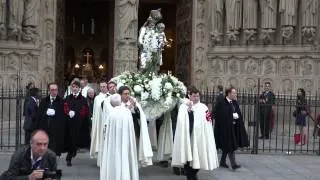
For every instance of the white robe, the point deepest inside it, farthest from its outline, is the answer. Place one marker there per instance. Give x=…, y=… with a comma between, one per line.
x=96, y=125
x=84, y=91
x=145, y=153
x=107, y=109
x=119, y=161
x=200, y=149
x=165, y=139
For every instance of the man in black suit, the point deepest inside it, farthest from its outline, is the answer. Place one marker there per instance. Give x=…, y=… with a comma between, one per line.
x=267, y=100
x=51, y=119
x=31, y=161
x=229, y=131
x=31, y=114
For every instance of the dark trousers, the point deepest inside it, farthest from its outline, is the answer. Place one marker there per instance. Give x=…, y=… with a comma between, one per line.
x=265, y=124
x=70, y=155
x=232, y=158
x=190, y=172
x=27, y=136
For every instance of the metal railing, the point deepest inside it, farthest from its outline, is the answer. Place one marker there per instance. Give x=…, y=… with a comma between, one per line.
x=283, y=125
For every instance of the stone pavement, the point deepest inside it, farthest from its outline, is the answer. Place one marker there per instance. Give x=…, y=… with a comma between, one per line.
x=254, y=167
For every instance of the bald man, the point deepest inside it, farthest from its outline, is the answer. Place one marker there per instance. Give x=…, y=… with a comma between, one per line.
x=29, y=162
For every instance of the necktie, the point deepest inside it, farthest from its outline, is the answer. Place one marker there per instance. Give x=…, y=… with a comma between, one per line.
x=233, y=108
x=36, y=164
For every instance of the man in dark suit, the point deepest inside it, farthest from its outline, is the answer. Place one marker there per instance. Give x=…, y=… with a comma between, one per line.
x=31, y=161
x=31, y=114
x=267, y=100
x=51, y=119
x=77, y=132
x=229, y=130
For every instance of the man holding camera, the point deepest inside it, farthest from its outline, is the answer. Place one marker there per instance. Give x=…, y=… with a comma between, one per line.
x=34, y=161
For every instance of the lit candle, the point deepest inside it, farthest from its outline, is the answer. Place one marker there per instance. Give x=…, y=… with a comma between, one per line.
x=92, y=26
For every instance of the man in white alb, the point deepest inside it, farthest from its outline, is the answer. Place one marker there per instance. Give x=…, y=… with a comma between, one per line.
x=194, y=144
x=119, y=159
x=96, y=120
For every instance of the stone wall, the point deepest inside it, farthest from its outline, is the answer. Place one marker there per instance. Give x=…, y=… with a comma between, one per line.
x=27, y=42
x=276, y=41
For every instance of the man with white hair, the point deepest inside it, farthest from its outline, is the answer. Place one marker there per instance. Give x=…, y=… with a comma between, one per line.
x=97, y=121
x=119, y=159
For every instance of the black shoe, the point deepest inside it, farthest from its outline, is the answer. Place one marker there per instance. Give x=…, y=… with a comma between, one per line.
x=69, y=163
x=224, y=165
x=234, y=167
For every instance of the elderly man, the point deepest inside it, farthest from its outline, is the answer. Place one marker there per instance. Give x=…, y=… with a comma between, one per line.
x=30, y=162
x=119, y=160
x=51, y=119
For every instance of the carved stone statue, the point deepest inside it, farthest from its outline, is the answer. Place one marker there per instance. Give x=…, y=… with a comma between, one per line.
x=234, y=18
x=152, y=41
x=31, y=20
x=288, y=10
x=250, y=15
x=309, y=18
x=16, y=11
x=268, y=19
x=3, y=17
x=128, y=12
x=216, y=16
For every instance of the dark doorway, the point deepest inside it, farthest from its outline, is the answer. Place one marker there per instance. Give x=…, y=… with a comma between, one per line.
x=89, y=25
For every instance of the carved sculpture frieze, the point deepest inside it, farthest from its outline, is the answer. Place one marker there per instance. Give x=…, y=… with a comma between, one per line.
x=269, y=67
x=287, y=67
x=217, y=66
x=252, y=67
x=287, y=86
x=200, y=57
x=233, y=66
x=12, y=62
x=201, y=11
x=306, y=67
x=250, y=19
x=308, y=85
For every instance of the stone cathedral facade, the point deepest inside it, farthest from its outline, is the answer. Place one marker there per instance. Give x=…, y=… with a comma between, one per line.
x=217, y=42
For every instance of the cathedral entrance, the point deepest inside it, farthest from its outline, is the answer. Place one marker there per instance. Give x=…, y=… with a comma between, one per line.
x=89, y=39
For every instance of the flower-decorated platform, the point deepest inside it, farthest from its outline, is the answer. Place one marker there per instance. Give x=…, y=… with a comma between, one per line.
x=157, y=93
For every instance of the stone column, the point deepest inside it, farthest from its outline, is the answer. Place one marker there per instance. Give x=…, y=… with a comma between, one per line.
x=125, y=56
x=199, y=48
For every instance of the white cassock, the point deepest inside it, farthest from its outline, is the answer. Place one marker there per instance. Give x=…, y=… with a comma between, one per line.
x=145, y=153
x=107, y=108
x=200, y=148
x=84, y=91
x=165, y=138
x=96, y=125
x=119, y=160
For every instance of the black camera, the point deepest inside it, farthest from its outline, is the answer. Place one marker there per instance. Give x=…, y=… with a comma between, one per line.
x=51, y=174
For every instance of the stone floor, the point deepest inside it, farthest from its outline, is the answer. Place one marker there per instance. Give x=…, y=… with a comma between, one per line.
x=255, y=167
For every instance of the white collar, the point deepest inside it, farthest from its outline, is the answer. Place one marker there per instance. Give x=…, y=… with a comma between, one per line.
x=76, y=94
x=35, y=100
x=51, y=97
x=31, y=156
x=229, y=100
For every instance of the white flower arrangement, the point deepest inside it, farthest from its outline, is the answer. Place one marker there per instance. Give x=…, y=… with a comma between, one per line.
x=157, y=94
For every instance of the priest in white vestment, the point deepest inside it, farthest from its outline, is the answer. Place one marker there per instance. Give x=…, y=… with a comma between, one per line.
x=106, y=108
x=194, y=144
x=97, y=120
x=145, y=153
x=119, y=161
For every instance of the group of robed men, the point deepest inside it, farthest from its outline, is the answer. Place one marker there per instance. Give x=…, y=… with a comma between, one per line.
x=120, y=139
x=65, y=120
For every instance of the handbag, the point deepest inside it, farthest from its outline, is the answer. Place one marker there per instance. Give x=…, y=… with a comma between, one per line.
x=297, y=138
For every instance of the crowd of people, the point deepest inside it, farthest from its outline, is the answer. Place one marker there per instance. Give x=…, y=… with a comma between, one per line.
x=112, y=124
